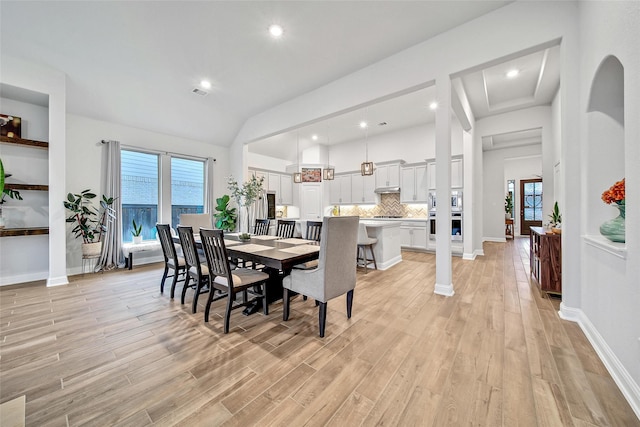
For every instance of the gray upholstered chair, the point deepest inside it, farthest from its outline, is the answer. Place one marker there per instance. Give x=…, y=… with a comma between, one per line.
x=171, y=259
x=314, y=231
x=365, y=242
x=196, y=221
x=336, y=272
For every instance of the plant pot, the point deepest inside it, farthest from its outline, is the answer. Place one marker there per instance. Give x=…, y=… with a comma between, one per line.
x=137, y=240
x=92, y=249
x=614, y=229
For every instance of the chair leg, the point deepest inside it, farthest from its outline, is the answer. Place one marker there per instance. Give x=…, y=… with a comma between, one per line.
x=265, y=303
x=174, y=282
x=186, y=286
x=194, y=304
x=164, y=277
x=285, y=304
x=208, y=307
x=373, y=257
x=322, y=317
x=349, y=303
x=227, y=314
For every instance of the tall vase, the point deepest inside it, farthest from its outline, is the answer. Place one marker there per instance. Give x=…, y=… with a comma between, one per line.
x=244, y=220
x=614, y=228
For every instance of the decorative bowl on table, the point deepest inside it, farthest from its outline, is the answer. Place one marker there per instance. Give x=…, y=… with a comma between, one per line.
x=245, y=237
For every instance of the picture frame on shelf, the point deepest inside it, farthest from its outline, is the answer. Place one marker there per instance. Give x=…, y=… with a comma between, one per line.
x=10, y=126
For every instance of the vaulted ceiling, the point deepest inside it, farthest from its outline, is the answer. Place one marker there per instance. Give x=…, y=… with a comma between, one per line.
x=137, y=63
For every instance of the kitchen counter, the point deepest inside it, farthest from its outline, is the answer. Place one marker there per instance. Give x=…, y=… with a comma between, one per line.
x=387, y=249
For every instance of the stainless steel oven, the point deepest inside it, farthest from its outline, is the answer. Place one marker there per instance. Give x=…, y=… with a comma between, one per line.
x=456, y=226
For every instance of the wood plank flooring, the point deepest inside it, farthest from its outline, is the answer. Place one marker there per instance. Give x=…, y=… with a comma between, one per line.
x=109, y=350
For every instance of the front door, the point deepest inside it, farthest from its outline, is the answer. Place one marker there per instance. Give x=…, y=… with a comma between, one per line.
x=530, y=205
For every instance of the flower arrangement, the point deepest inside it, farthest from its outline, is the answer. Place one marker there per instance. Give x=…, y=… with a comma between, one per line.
x=615, y=194
x=248, y=193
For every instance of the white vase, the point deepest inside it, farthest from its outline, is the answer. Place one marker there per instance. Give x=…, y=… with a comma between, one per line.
x=137, y=239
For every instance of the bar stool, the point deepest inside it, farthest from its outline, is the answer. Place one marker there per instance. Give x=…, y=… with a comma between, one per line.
x=364, y=242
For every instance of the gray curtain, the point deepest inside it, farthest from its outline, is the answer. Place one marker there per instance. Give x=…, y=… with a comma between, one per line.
x=111, y=256
x=209, y=198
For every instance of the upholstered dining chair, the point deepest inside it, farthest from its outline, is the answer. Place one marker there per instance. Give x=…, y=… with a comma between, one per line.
x=171, y=259
x=336, y=272
x=365, y=242
x=285, y=228
x=196, y=270
x=314, y=230
x=230, y=282
x=261, y=227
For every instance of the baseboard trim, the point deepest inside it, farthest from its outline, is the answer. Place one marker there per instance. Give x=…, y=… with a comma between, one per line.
x=23, y=278
x=57, y=281
x=494, y=239
x=445, y=290
x=629, y=388
x=469, y=257
x=389, y=263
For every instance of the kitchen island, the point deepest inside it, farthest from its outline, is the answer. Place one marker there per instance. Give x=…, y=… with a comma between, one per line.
x=387, y=249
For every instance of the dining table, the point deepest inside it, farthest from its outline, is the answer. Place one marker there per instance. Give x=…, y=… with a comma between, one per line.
x=277, y=255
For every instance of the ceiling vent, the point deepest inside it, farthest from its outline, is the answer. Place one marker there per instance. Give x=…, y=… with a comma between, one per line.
x=199, y=92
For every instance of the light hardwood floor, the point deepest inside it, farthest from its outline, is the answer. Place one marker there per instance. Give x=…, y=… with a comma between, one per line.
x=109, y=349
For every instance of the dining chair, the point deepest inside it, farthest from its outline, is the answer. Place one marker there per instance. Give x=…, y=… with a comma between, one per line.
x=171, y=259
x=261, y=227
x=196, y=270
x=314, y=230
x=335, y=274
x=230, y=282
x=365, y=242
x=285, y=229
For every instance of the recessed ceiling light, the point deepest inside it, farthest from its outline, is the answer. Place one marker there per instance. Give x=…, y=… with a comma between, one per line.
x=363, y=124
x=205, y=84
x=276, y=31
x=433, y=105
x=314, y=137
x=512, y=73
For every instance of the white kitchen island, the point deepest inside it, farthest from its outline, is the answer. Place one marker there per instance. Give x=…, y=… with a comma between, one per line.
x=387, y=249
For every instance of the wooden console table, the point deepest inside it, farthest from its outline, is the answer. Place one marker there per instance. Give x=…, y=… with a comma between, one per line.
x=546, y=260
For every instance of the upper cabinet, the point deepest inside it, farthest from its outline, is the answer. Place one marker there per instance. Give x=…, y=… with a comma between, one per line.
x=388, y=174
x=340, y=191
x=277, y=182
x=414, y=188
x=457, y=180
x=363, y=189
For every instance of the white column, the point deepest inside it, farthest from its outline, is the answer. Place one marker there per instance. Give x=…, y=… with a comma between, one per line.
x=444, y=283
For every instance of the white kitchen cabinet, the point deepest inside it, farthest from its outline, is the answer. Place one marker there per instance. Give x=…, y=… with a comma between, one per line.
x=340, y=190
x=457, y=180
x=363, y=189
x=414, y=186
x=281, y=184
x=413, y=235
x=387, y=175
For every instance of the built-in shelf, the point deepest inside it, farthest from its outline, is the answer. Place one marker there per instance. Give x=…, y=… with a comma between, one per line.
x=27, y=142
x=27, y=187
x=28, y=231
x=602, y=243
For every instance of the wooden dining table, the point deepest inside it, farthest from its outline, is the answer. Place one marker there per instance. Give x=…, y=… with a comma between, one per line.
x=277, y=255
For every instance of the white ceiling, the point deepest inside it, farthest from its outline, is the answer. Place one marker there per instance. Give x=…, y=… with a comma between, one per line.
x=136, y=63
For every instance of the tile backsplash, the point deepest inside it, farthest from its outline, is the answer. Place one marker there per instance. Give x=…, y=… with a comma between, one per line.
x=389, y=206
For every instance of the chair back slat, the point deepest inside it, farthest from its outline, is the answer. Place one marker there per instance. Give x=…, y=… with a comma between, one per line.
x=261, y=228
x=166, y=242
x=314, y=230
x=189, y=248
x=285, y=229
x=216, y=253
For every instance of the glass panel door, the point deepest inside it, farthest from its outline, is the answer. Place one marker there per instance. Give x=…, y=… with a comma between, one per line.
x=530, y=205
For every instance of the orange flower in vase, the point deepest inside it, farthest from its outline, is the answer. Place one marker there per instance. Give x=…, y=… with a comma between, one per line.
x=614, y=229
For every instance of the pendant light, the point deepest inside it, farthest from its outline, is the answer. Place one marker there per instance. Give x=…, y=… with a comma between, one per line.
x=297, y=176
x=328, y=172
x=366, y=168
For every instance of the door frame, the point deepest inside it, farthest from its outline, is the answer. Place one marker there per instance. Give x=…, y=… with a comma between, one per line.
x=525, y=225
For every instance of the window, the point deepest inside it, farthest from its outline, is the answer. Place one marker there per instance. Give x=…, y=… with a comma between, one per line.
x=139, y=193
x=187, y=188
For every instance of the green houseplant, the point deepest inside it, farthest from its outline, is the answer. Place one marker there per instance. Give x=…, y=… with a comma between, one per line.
x=5, y=192
x=225, y=217
x=89, y=222
x=556, y=218
x=136, y=232
x=508, y=206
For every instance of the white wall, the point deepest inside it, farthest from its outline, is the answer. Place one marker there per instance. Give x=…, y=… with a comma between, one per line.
x=83, y=142
x=609, y=294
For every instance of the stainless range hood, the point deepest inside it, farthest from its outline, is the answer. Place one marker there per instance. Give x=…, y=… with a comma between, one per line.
x=387, y=190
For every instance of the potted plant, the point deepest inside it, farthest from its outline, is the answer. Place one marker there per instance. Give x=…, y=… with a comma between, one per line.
x=508, y=206
x=225, y=217
x=89, y=222
x=136, y=232
x=5, y=192
x=245, y=195
x=556, y=219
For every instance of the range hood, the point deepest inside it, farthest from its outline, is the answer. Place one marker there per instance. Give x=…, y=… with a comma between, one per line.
x=386, y=190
